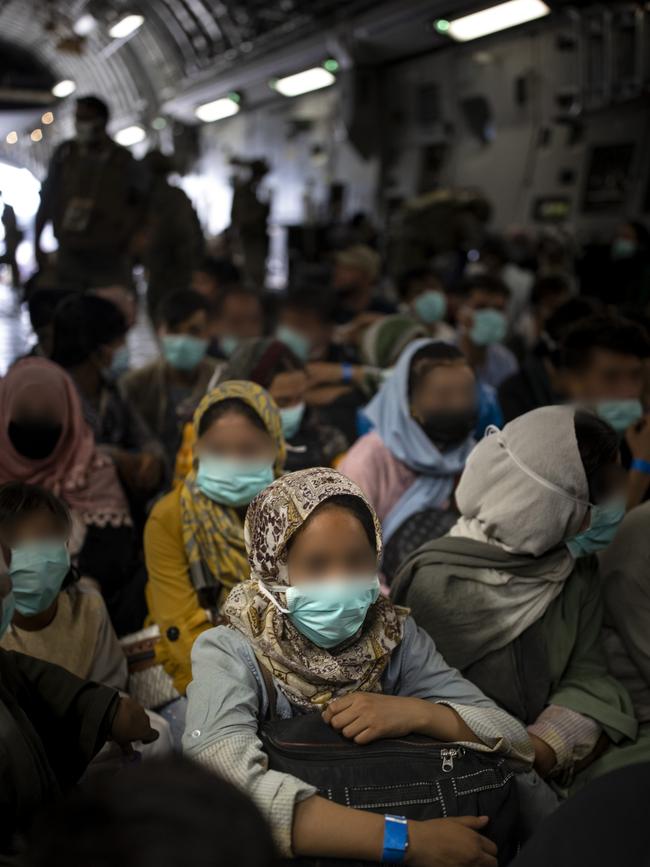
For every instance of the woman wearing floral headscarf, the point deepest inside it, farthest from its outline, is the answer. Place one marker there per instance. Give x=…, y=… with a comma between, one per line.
x=332, y=644
x=194, y=538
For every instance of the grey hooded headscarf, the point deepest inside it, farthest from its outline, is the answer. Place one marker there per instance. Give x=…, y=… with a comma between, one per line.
x=523, y=493
x=526, y=485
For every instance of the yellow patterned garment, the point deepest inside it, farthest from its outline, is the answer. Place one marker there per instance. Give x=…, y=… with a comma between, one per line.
x=192, y=542
x=213, y=535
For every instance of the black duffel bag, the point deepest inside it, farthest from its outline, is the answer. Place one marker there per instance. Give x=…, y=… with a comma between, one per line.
x=412, y=776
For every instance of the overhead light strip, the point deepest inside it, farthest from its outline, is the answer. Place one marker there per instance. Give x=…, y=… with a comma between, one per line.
x=130, y=135
x=218, y=109
x=492, y=20
x=304, y=82
x=126, y=26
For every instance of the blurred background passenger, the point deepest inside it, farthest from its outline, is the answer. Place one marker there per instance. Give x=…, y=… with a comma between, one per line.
x=310, y=441
x=604, y=362
x=423, y=296
x=213, y=276
x=239, y=315
x=172, y=240
x=483, y=327
x=89, y=342
x=94, y=197
x=168, y=390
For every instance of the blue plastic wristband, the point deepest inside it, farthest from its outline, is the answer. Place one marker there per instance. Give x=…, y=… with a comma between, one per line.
x=641, y=466
x=346, y=372
x=396, y=839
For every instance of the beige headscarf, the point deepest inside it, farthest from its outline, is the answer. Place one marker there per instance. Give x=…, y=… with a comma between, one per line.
x=526, y=486
x=308, y=675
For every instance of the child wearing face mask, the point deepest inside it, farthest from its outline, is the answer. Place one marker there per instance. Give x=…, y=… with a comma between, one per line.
x=312, y=617
x=57, y=617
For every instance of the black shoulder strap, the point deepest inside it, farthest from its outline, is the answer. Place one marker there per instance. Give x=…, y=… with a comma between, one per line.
x=269, y=683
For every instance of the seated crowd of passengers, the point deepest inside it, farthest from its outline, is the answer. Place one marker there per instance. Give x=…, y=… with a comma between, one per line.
x=409, y=512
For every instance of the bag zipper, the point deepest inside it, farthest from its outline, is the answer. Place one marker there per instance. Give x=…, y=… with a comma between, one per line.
x=447, y=754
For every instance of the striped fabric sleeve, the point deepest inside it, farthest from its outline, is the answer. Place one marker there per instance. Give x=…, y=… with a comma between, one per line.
x=241, y=761
x=498, y=733
x=570, y=735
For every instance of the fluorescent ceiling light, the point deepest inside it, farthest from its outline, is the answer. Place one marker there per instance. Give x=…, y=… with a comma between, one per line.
x=217, y=110
x=126, y=26
x=64, y=88
x=495, y=18
x=130, y=135
x=304, y=82
x=84, y=25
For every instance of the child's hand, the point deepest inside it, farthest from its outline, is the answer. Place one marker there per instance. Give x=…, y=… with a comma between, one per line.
x=366, y=716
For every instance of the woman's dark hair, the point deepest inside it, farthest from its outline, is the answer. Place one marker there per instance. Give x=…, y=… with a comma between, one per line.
x=356, y=507
x=277, y=358
x=160, y=814
x=222, y=270
x=610, y=332
x=82, y=324
x=178, y=307
x=18, y=500
x=232, y=405
x=599, y=450
x=430, y=356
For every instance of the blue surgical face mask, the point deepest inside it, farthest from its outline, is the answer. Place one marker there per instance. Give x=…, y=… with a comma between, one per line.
x=7, y=608
x=37, y=572
x=228, y=343
x=183, y=351
x=297, y=342
x=430, y=306
x=119, y=363
x=231, y=482
x=624, y=248
x=490, y=326
x=605, y=521
x=327, y=612
x=291, y=418
x=620, y=414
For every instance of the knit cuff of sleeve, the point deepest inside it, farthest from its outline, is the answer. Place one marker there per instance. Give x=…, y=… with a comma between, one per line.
x=569, y=734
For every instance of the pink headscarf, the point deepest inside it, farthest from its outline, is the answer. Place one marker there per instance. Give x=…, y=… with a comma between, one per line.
x=75, y=471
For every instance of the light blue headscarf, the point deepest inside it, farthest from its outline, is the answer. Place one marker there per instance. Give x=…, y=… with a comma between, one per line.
x=390, y=414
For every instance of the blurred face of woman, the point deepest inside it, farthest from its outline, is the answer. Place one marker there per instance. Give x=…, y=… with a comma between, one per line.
x=288, y=389
x=234, y=436
x=331, y=545
x=449, y=386
x=35, y=427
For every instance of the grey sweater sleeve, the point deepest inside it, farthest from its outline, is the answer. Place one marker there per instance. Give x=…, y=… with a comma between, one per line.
x=419, y=670
x=226, y=699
